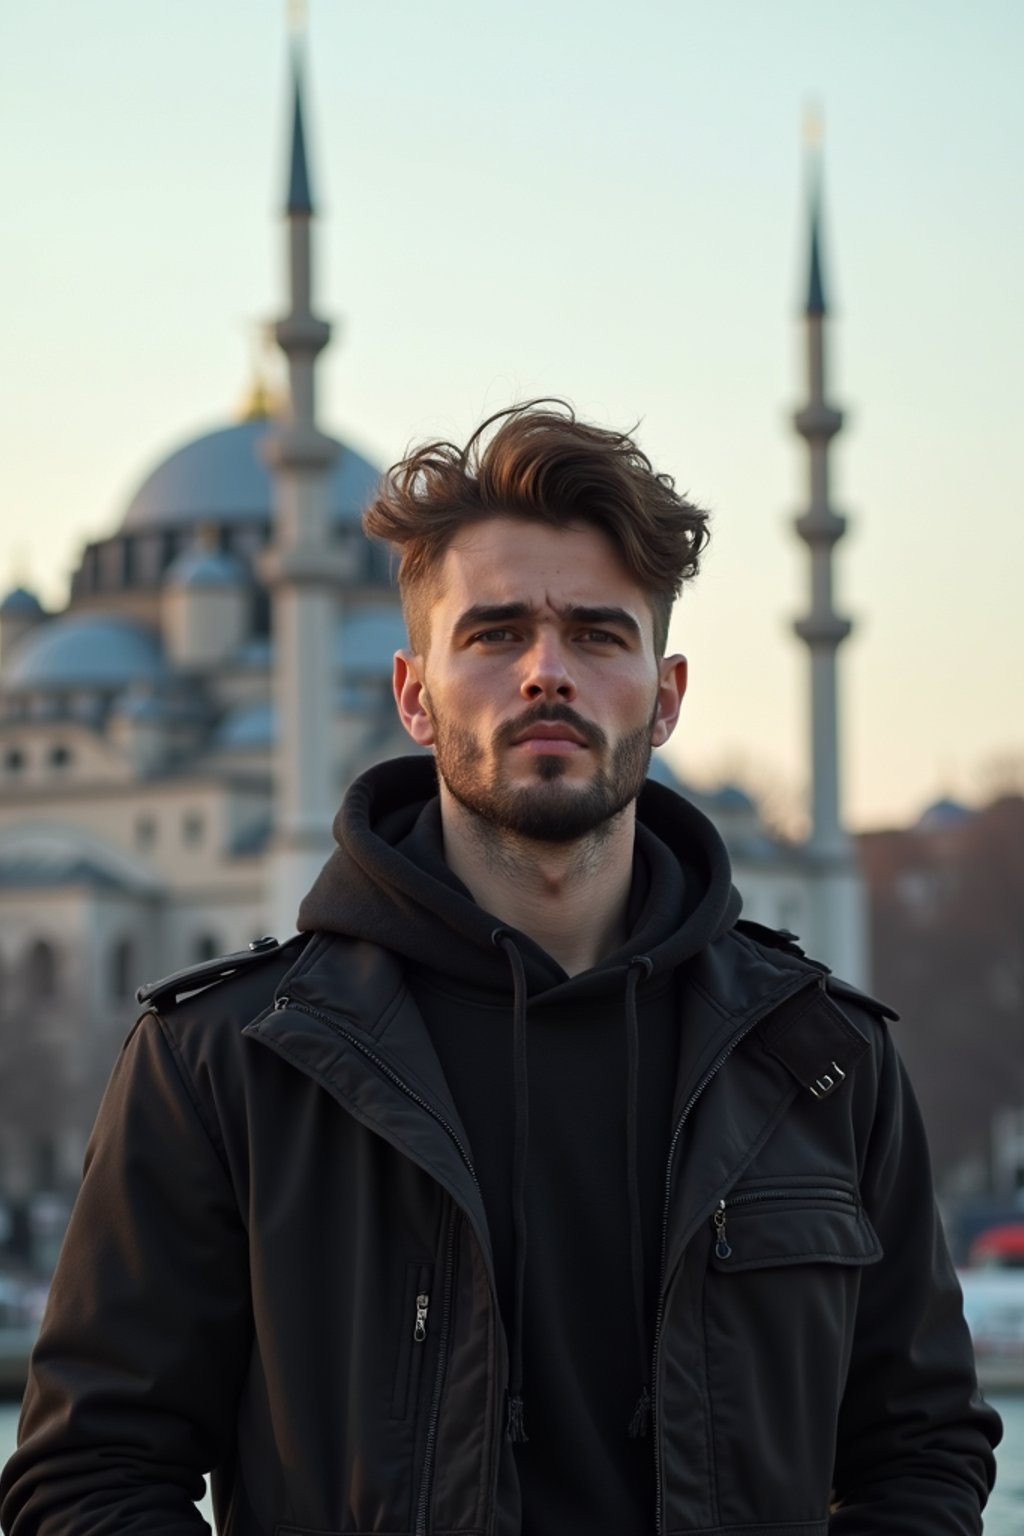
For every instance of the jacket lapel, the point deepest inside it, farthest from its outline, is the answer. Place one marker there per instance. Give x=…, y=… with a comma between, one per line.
x=344, y=1016
x=758, y=1029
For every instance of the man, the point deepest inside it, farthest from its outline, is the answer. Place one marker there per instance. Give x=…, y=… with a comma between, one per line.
x=528, y=1189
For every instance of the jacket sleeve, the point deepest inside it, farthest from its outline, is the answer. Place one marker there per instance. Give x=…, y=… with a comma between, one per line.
x=914, y=1450
x=134, y=1381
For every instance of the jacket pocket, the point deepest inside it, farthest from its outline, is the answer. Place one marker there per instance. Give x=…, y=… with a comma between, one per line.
x=780, y=1302
x=764, y=1227
x=413, y=1332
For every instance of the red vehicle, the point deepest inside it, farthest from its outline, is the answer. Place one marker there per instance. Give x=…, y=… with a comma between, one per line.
x=999, y=1247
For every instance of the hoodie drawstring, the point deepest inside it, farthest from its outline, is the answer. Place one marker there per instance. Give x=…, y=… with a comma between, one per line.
x=515, y=1426
x=640, y=968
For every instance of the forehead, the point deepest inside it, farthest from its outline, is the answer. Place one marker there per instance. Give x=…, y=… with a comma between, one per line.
x=505, y=559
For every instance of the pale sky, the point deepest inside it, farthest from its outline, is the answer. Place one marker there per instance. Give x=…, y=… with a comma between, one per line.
x=577, y=197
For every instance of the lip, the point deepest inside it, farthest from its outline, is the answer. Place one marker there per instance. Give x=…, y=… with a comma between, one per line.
x=550, y=737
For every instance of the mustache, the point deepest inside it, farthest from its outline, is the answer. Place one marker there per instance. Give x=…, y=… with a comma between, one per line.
x=550, y=714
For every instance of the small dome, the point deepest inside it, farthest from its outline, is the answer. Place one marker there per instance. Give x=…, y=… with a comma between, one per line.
x=731, y=799
x=201, y=567
x=247, y=727
x=367, y=639
x=253, y=655
x=221, y=478
x=85, y=652
x=660, y=773
x=22, y=602
x=943, y=814
x=142, y=705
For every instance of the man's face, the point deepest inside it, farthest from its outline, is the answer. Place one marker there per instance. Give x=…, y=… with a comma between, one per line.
x=540, y=691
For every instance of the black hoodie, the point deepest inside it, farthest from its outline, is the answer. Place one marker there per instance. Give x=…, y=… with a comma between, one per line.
x=565, y=1087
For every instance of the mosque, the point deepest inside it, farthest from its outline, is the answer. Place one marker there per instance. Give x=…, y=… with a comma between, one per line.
x=174, y=742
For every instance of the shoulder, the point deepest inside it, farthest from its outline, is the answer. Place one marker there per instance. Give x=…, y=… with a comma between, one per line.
x=785, y=946
x=170, y=989
x=218, y=998
x=191, y=1028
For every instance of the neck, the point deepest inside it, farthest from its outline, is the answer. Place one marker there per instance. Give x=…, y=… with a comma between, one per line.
x=570, y=898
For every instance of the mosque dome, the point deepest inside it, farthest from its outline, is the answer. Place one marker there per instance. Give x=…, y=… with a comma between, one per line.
x=201, y=567
x=85, y=652
x=249, y=726
x=221, y=478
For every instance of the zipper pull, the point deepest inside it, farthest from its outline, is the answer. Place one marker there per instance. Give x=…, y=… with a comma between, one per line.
x=419, y=1332
x=722, y=1249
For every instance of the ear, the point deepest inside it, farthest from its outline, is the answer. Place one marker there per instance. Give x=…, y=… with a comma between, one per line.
x=410, y=697
x=673, y=673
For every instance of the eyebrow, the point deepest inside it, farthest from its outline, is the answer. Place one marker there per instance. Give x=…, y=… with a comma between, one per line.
x=574, y=613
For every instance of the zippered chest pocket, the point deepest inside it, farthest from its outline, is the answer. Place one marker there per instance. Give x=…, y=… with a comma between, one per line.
x=779, y=1297
x=413, y=1329
x=760, y=1227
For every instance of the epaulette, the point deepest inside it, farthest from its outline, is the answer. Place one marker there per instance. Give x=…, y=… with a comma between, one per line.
x=195, y=977
x=774, y=938
x=852, y=994
x=781, y=938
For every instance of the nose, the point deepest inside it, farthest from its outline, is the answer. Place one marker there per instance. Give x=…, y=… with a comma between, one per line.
x=547, y=673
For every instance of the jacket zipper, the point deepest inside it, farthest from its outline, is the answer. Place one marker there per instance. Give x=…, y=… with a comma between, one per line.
x=753, y=1196
x=427, y=1479
x=709, y=1075
x=422, y=1300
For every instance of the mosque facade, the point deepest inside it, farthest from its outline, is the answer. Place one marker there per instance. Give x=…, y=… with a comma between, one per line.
x=173, y=744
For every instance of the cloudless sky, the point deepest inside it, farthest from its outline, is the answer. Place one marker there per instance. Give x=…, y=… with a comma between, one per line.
x=581, y=197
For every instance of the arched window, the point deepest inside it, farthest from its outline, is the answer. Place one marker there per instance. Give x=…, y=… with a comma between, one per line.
x=41, y=971
x=206, y=947
x=122, y=969
x=59, y=756
x=145, y=831
x=192, y=828
x=14, y=760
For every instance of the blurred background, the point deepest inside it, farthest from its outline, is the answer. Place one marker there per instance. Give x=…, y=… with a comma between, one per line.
x=783, y=242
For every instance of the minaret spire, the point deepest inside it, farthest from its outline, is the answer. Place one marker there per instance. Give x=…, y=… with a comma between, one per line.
x=815, y=285
x=822, y=629
x=305, y=570
x=300, y=198
x=837, y=916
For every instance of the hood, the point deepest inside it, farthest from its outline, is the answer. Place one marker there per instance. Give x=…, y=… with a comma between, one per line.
x=387, y=882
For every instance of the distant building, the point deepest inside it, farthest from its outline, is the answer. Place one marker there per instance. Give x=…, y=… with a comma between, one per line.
x=947, y=910
x=174, y=742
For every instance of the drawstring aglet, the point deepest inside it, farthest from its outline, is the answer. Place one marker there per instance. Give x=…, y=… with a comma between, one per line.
x=515, y=1427
x=641, y=1420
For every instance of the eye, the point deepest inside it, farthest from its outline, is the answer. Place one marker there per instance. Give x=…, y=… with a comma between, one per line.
x=601, y=637
x=492, y=636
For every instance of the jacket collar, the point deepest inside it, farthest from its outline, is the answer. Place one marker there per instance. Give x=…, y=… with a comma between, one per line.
x=344, y=1015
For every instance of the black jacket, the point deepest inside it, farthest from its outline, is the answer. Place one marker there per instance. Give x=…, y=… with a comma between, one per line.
x=277, y=1175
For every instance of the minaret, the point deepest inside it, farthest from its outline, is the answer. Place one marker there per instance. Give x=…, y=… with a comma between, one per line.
x=823, y=630
x=304, y=570
x=839, y=921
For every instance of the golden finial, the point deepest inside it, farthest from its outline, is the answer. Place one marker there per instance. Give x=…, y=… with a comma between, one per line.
x=296, y=17
x=260, y=400
x=814, y=125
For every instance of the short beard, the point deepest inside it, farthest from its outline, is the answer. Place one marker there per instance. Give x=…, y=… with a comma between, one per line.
x=548, y=811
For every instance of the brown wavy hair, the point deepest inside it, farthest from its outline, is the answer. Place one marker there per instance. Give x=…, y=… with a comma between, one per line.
x=536, y=461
